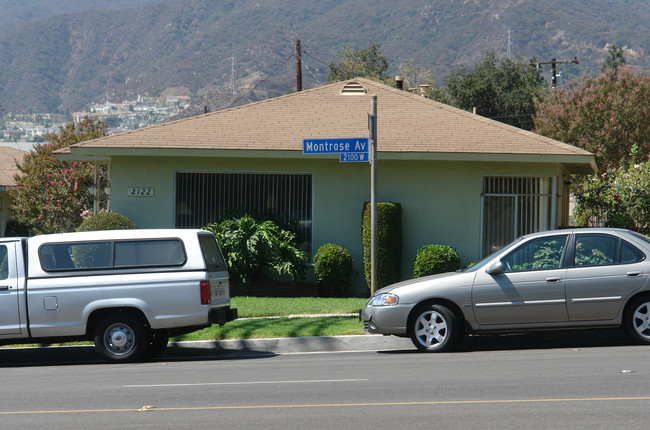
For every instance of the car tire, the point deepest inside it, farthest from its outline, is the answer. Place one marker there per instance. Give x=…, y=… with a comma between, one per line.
x=435, y=328
x=158, y=340
x=637, y=320
x=120, y=338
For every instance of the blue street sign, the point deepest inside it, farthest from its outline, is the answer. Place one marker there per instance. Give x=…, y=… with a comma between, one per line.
x=354, y=157
x=335, y=146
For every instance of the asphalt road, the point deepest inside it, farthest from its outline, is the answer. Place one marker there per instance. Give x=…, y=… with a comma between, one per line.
x=491, y=383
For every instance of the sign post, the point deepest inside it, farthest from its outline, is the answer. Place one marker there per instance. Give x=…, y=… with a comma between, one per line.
x=352, y=150
x=372, y=125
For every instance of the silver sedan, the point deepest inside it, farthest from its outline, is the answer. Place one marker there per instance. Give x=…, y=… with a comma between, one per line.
x=559, y=279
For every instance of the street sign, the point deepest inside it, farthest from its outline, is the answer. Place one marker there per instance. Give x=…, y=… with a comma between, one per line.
x=354, y=157
x=335, y=146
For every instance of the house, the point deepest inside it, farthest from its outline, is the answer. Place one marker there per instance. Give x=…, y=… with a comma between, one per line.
x=462, y=180
x=8, y=158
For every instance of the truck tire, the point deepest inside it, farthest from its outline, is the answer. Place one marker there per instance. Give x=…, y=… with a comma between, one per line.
x=120, y=338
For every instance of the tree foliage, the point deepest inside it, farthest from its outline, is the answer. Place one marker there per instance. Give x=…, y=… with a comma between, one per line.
x=606, y=115
x=363, y=63
x=615, y=58
x=53, y=195
x=502, y=89
x=619, y=197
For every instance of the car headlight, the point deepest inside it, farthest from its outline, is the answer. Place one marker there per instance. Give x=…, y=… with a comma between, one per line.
x=384, y=299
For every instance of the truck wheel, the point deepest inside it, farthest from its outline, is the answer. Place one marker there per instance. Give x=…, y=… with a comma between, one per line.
x=120, y=338
x=158, y=340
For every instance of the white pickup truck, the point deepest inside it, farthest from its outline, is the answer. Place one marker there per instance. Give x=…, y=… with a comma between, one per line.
x=127, y=290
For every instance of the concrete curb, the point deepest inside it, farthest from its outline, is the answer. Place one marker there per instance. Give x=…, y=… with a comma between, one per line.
x=203, y=349
x=299, y=344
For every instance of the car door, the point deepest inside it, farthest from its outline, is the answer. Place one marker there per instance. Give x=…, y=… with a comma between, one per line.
x=604, y=270
x=9, y=294
x=529, y=288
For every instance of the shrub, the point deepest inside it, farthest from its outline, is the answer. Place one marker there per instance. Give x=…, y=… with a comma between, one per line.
x=251, y=247
x=333, y=269
x=433, y=259
x=389, y=242
x=17, y=228
x=106, y=221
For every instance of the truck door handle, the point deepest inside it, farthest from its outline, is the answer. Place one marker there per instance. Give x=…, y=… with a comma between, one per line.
x=4, y=287
x=553, y=279
x=633, y=274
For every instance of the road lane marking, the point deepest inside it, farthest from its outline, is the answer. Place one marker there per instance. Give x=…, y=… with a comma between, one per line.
x=332, y=405
x=202, y=384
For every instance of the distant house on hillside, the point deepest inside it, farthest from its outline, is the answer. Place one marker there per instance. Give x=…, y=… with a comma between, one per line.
x=463, y=180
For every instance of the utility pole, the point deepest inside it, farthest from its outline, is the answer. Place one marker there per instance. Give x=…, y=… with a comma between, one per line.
x=298, y=66
x=554, y=62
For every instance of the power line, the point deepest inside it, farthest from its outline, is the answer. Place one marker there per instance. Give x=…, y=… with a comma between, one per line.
x=261, y=82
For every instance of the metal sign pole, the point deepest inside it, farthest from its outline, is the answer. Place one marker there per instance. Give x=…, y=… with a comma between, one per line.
x=373, y=194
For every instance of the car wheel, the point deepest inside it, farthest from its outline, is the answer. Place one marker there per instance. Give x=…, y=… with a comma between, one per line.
x=435, y=328
x=158, y=340
x=120, y=338
x=637, y=321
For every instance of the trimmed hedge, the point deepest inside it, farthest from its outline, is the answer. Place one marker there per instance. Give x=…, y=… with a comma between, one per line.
x=433, y=259
x=333, y=269
x=389, y=242
x=106, y=221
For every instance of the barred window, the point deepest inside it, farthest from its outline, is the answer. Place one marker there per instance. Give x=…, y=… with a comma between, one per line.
x=514, y=206
x=206, y=197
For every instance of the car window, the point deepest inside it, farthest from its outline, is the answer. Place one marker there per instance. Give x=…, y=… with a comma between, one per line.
x=596, y=250
x=630, y=254
x=536, y=254
x=603, y=249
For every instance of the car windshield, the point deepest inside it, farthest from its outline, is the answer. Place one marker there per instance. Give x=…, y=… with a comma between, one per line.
x=485, y=260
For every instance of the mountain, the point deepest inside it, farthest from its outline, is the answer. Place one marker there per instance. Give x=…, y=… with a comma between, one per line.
x=194, y=47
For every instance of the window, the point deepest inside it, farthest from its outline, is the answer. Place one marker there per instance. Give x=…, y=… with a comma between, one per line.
x=167, y=252
x=537, y=254
x=4, y=263
x=601, y=250
x=203, y=198
x=109, y=254
x=513, y=207
x=212, y=254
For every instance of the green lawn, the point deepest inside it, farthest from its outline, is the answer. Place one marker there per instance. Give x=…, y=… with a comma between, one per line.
x=272, y=306
x=258, y=327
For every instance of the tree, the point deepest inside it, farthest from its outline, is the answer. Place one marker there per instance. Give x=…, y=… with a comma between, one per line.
x=615, y=59
x=53, y=195
x=606, y=115
x=364, y=63
x=502, y=89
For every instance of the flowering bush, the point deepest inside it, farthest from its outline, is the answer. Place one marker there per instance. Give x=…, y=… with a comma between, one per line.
x=620, y=197
x=51, y=194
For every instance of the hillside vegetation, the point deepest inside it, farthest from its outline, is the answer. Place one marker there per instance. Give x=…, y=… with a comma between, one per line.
x=67, y=61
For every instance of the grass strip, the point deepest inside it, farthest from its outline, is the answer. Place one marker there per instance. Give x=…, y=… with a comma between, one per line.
x=273, y=306
x=260, y=328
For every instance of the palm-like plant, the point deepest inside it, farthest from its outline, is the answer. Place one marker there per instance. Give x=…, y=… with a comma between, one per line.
x=251, y=247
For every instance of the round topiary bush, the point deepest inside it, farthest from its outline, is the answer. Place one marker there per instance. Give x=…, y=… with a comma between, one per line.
x=333, y=269
x=106, y=221
x=433, y=259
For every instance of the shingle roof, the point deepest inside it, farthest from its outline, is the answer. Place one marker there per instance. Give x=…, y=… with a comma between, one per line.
x=407, y=123
x=8, y=158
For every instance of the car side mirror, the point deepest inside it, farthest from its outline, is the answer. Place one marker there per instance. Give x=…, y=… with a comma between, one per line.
x=495, y=268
